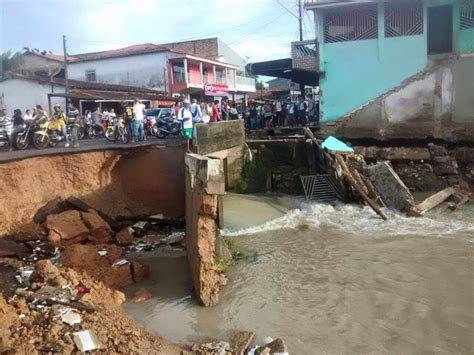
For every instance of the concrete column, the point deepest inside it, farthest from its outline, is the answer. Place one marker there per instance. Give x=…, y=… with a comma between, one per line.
x=186, y=75
x=235, y=79
x=202, y=74
x=205, y=183
x=214, y=70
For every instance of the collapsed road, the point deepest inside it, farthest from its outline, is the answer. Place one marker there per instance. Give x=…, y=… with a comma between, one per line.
x=77, y=219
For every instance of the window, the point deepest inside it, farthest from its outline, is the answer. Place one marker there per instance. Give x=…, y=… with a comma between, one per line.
x=350, y=24
x=178, y=74
x=90, y=75
x=467, y=14
x=220, y=78
x=403, y=19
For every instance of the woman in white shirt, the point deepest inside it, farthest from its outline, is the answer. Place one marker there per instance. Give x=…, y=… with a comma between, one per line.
x=206, y=112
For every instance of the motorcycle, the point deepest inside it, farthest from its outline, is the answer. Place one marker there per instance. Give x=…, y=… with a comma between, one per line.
x=167, y=127
x=116, y=130
x=23, y=135
x=46, y=136
x=94, y=131
x=150, y=127
x=81, y=132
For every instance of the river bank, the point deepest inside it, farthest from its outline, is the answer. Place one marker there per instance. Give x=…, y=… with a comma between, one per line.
x=330, y=279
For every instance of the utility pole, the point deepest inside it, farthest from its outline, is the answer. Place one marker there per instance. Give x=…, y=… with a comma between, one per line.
x=300, y=19
x=66, y=89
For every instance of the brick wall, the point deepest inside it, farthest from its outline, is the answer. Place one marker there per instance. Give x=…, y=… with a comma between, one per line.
x=206, y=48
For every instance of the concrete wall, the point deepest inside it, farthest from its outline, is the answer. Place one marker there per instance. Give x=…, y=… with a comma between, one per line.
x=217, y=136
x=144, y=70
x=439, y=103
x=230, y=56
x=204, y=178
x=25, y=94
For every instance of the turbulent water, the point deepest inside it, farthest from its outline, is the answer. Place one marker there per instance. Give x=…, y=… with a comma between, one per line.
x=329, y=279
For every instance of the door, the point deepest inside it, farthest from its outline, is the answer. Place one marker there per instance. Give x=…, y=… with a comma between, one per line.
x=440, y=29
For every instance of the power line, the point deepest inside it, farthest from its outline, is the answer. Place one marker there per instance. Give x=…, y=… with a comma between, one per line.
x=288, y=10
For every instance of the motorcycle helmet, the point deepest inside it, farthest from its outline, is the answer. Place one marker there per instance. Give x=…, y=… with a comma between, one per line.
x=57, y=107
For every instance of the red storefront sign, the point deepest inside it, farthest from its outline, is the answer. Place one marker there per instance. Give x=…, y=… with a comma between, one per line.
x=216, y=90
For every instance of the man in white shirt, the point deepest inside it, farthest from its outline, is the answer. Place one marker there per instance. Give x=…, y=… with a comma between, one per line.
x=186, y=117
x=28, y=117
x=279, y=113
x=138, y=118
x=196, y=111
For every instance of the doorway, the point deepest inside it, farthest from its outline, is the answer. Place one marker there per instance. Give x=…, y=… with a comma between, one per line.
x=440, y=29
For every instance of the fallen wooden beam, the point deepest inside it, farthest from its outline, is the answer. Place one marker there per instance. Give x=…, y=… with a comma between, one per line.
x=432, y=201
x=359, y=189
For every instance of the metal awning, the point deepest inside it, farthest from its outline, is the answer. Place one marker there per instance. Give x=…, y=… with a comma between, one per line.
x=283, y=68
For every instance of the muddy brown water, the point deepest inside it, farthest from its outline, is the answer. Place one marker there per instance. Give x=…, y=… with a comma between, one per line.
x=329, y=279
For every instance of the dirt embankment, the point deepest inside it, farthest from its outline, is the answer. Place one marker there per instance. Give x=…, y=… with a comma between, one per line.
x=137, y=181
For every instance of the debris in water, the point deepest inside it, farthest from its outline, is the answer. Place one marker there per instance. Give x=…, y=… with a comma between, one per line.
x=432, y=201
x=142, y=295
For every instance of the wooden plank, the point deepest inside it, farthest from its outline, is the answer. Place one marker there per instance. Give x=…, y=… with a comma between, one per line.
x=434, y=200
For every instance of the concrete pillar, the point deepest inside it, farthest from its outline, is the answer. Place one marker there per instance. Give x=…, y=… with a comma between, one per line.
x=235, y=79
x=186, y=70
x=200, y=72
x=214, y=71
x=205, y=183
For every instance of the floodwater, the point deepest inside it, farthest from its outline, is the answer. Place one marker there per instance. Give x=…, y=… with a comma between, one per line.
x=329, y=280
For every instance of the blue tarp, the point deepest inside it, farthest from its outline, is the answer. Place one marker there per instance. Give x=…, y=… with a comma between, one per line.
x=335, y=144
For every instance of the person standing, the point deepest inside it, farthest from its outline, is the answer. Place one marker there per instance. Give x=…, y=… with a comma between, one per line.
x=206, y=111
x=75, y=130
x=311, y=109
x=196, y=111
x=28, y=116
x=6, y=125
x=234, y=114
x=61, y=122
x=302, y=111
x=253, y=116
x=290, y=107
x=185, y=116
x=224, y=115
x=278, y=113
x=215, y=111
x=138, y=118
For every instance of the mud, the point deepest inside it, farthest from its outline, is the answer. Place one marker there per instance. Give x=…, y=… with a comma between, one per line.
x=145, y=181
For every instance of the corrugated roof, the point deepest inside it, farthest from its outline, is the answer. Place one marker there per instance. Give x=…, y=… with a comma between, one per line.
x=121, y=52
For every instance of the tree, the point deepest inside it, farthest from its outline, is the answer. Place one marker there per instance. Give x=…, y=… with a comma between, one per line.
x=259, y=85
x=10, y=61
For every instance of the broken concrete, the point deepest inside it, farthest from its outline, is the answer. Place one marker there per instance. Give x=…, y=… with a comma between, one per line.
x=204, y=183
x=98, y=228
x=217, y=136
x=125, y=236
x=391, y=188
x=68, y=226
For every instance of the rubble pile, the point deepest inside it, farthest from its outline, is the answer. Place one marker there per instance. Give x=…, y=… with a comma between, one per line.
x=59, y=285
x=379, y=185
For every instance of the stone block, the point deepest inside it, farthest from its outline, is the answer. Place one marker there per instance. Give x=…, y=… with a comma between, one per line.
x=218, y=136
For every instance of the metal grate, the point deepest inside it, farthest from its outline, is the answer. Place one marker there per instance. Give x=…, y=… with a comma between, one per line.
x=350, y=24
x=403, y=19
x=467, y=14
x=319, y=188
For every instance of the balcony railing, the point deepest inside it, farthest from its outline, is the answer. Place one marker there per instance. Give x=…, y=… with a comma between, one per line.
x=305, y=55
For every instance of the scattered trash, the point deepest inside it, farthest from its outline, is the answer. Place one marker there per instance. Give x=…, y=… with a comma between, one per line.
x=335, y=144
x=86, y=340
x=140, y=224
x=70, y=316
x=120, y=262
x=174, y=237
x=216, y=348
x=102, y=252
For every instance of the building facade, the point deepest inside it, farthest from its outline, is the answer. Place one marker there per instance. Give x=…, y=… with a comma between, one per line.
x=396, y=61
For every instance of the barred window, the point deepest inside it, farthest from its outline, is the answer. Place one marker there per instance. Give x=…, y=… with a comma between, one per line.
x=350, y=24
x=467, y=14
x=403, y=19
x=90, y=75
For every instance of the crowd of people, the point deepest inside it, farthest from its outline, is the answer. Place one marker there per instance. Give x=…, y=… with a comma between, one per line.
x=259, y=114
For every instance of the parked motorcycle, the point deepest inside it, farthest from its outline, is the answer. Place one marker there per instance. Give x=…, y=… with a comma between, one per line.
x=116, y=130
x=23, y=135
x=94, y=131
x=150, y=127
x=46, y=137
x=167, y=127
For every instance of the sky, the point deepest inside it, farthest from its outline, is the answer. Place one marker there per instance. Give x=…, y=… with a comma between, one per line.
x=256, y=29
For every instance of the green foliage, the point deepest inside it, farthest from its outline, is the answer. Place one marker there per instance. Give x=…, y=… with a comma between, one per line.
x=222, y=265
x=10, y=61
